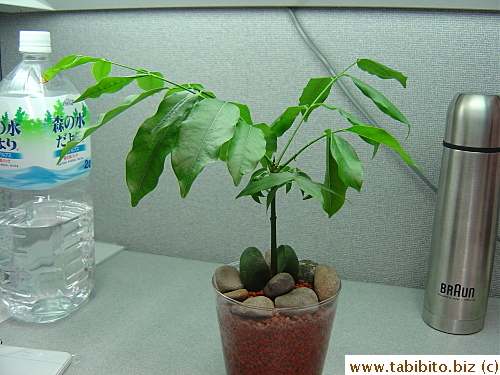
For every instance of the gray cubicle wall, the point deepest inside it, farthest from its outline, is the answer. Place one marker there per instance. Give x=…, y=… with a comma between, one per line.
x=256, y=56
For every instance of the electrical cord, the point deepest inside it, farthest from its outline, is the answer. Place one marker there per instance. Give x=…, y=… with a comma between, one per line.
x=351, y=97
x=346, y=90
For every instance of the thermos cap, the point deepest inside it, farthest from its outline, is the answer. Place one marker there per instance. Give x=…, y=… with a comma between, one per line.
x=474, y=121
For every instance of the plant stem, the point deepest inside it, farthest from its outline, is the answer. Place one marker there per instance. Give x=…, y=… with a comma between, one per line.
x=310, y=108
x=290, y=139
x=156, y=76
x=274, y=242
x=301, y=150
x=304, y=116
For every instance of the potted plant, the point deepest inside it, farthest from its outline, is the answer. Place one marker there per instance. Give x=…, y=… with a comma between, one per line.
x=264, y=333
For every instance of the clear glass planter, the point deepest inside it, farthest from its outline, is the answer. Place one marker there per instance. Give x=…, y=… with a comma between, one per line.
x=274, y=341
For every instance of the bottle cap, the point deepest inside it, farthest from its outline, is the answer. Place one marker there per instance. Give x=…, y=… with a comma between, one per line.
x=474, y=121
x=34, y=41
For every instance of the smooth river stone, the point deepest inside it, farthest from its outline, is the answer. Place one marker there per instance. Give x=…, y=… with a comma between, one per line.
x=261, y=302
x=326, y=281
x=227, y=279
x=280, y=284
x=300, y=297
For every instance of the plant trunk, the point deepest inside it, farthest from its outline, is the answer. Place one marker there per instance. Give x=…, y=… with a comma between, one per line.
x=274, y=243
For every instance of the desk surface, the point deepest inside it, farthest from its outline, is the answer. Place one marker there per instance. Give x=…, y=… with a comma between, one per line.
x=151, y=314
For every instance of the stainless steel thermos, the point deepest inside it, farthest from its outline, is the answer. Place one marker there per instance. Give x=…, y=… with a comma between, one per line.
x=466, y=217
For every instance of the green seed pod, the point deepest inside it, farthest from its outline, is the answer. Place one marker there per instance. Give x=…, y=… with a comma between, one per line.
x=254, y=271
x=288, y=261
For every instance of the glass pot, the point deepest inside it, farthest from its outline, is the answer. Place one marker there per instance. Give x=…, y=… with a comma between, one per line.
x=274, y=341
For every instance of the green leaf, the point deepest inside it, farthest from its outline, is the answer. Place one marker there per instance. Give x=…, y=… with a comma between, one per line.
x=254, y=271
x=287, y=261
x=101, y=69
x=80, y=60
x=355, y=121
x=188, y=86
x=256, y=198
x=270, y=196
x=66, y=63
x=267, y=182
x=154, y=140
x=315, y=92
x=258, y=174
x=223, y=151
x=210, y=124
x=125, y=104
x=180, y=104
x=381, y=71
x=333, y=201
x=381, y=136
x=270, y=137
x=59, y=66
x=351, y=118
x=350, y=168
x=151, y=80
x=286, y=120
x=107, y=85
x=380, y=101
x=309, y=187
x=244, y=113
x=312, y=189
x=246, y=148
x=375, y=145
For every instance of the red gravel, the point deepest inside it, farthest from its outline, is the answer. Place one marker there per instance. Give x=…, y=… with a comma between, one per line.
x=277, y=345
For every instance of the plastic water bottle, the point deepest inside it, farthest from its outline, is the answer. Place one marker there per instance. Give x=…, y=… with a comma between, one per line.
x=46, y=219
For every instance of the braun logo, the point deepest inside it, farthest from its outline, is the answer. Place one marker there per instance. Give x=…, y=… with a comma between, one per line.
x=456, y=290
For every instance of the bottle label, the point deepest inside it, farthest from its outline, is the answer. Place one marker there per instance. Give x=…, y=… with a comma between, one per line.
x=32, y=133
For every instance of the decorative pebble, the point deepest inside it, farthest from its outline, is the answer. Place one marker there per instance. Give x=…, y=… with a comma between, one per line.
x=300, y=297
x=325, y=281
x=238, y=294
x=280, y=284
x=259, y=302
x=306, y=270
x=227, y=279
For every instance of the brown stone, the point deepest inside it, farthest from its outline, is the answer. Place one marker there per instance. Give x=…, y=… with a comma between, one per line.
x=227, y=279
x=300, y=297
x=238, y=294
x=326, y=281
x=280, y=284
x=255, y=306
